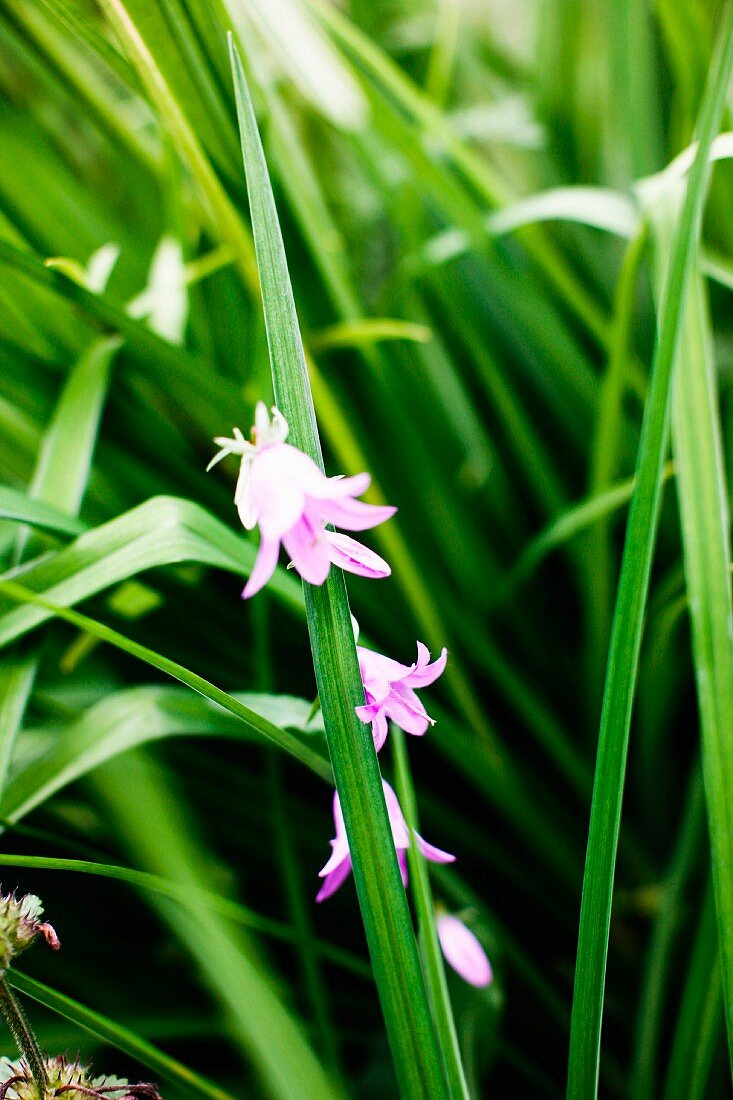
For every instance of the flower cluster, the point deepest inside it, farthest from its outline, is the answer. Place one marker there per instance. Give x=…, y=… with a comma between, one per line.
x=20, y=925
x=67, y=1078
x=284, y=493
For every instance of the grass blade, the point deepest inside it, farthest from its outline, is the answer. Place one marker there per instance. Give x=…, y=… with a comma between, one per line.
x=162, y=531
x=228, y=961
x=631, y=601
x=384, y=905
x=192, y=1084
x=19, y=506
x=224, y=216
x=699, y=1022
x=283, y=738
x=61, y=473
x=193, y=897
x=425, y=907
x=705, y=519
x=662, y=956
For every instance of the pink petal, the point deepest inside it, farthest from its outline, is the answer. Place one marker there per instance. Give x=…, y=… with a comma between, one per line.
x=373, y=714
x=463, y=951
x=332, y=488
x=379, y=730
x=431, y=853
x=308, y=551
x=263, y=568
x=334, y=880
x=424, y=673
x=380, y=669
x=340, y=843
x=247, y=512
x=368, y=712
x=376, y=687
x=402, y=861
x=277, y=487
x=337, y=857
x=350, y=555
x=407, y=713
x=400, y=835
x=353, y=515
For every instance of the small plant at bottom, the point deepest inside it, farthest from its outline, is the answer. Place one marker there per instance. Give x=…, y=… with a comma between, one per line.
x=35, y=1076
x=20, y=926
x=67, y=1078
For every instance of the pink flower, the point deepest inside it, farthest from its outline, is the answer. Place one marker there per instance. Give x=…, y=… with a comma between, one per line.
x=389, y=689
x=339, y=865
x=283, y=491
x=463, y=951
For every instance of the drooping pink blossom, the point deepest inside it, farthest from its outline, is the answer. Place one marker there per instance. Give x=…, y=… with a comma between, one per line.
x=282, y=490
x=337, y=870
x=389, y=690
x=463, y=951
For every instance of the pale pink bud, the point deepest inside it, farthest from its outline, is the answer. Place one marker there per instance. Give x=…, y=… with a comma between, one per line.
x=463, y=951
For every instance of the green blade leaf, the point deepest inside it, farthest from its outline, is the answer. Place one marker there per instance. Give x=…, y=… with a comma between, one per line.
x=101, y=1027
x=260, y=1021
x=257, y=723
x=162, y=531
x=705, y=520
x=19, y=506
x=193, y=897
x=382, y=898
x=425, y=907
x=631, y=602
x=125, y=720
x=62, y=470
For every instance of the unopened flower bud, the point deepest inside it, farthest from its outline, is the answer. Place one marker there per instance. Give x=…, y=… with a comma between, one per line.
x=20, y=925
x=463, y=950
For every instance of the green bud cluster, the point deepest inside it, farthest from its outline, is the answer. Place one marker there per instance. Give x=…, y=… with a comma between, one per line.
x=20, y=925
x=67, y=1078
x=35, y=1076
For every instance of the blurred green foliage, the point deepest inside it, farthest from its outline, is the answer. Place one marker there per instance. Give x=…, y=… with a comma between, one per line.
x=488, y=363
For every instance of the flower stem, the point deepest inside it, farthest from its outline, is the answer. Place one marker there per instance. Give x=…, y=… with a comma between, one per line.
x=23, y=1035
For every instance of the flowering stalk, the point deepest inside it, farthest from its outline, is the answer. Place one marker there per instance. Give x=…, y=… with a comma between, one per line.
x=429, y=941
x=21, y=926
x=387, y=924
x=23, y=1035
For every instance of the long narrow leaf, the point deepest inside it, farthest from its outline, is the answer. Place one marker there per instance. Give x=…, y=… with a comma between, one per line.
x=101, y=1027
x=425, y=907
x=630, y=605
x=261, y=1022
x=381, y=895
x=192, y=897
x=256, y=722
x=705, y=518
